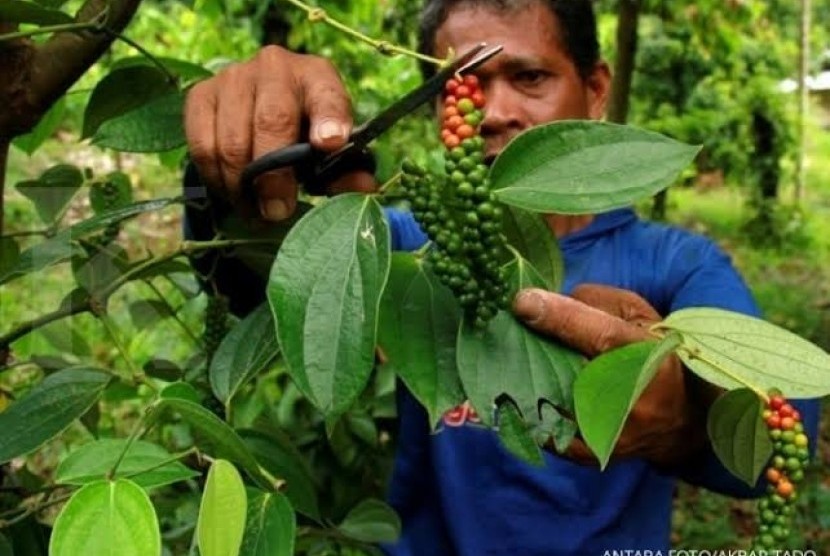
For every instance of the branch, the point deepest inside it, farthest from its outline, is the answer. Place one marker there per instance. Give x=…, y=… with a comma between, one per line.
x=66, y=56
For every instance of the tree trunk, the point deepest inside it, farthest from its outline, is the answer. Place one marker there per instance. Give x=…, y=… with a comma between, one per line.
x=627, y=25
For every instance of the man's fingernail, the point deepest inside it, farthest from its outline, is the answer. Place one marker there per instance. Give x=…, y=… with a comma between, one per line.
x=331, y=129
x=273, y=209
x=529, y=306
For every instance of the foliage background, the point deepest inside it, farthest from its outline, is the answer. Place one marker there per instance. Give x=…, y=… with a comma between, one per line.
x=701, y=71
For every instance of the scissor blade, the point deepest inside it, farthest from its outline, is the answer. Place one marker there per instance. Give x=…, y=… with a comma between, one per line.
x=471, y=59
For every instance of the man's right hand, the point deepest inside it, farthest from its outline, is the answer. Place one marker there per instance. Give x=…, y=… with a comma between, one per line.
x=251, y=108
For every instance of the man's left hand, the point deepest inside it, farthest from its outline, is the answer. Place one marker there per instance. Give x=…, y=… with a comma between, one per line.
x=664, y=426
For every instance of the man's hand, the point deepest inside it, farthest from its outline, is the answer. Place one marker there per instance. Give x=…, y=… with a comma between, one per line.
x=261, y=105
x=663, y=426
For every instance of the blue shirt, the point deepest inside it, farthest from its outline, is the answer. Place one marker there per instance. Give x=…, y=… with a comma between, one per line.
x=459, y=492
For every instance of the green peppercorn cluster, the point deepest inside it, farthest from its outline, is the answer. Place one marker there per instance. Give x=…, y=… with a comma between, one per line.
x=458, y=211
x=786, y=470
x=216, y=324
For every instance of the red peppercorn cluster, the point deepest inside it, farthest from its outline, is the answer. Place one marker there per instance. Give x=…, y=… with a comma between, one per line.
x=786, y=470
x=459, y=213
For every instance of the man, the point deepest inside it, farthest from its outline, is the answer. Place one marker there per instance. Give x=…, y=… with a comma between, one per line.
x=458, y=491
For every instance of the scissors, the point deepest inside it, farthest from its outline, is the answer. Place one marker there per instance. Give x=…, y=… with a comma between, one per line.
x=315, y=168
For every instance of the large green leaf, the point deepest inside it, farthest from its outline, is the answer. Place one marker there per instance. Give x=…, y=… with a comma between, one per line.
x=62, y=246
x=9, y=254
x=145, y=463
x=733, y=350
x=107, y=518
x=528, y=233
x=53, y=190
x=223, y=511
x=17, y=11
x=153, y=127
x=419, y=320
x=515, y=433
x=45, y=128
x=584, y=167
x=277, y=454
x=739, y=435
x=325, y=289
x=271, y=525
x=508, y=358
x=213, y=436
x=249, y=347
x=372, y=521
x=609, y=386
x=48, y=409
x=121, y=91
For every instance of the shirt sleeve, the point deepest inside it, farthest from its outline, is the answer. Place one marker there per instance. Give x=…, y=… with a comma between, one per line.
x=702, y=275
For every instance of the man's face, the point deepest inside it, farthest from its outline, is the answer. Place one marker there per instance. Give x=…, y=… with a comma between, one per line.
x=533, y=81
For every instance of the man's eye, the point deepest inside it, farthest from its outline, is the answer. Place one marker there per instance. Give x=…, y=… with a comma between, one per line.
x=530, y=77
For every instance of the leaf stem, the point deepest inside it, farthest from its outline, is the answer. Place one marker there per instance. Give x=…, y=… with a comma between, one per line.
x=45, y=30
x=170, y=460
x=33, y=510
x=144, y=52
x=173, y=313
x=390, y=183
x=384, y=47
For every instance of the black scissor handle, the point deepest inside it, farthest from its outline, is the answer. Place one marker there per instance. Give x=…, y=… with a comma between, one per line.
x=312, y=168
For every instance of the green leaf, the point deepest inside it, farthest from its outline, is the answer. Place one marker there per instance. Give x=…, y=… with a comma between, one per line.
x=45, y=128
x=271, y=525
x=153, y=127
x=99, y=268
x=144, y=464
x=107, y=518
x=17, y=11
x=163, y=369
x=99, y=200
x=528, y=233
x=419, y=320
x=508, y=358
x=121, y=91
x=181, y=391
x=9, y=254
x=279, y=456
x=259, y=256
x=53, y=190
x=213, y=436
x=584, y=167
x=757, y=352
x=325, y=290
x=48, y=409
x=223, y=510
x=739, y=435
x=606, y=390
x=62, y=246
x=180, y=68
x=372, y=521
x=515, y=433
x=145, y=313
x=554, y=426
x=5, y=546
x=249, y=348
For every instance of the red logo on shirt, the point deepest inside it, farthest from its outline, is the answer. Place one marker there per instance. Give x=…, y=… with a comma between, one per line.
x=460, y=415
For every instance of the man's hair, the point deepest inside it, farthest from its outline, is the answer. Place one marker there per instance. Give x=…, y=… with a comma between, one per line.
x=577, y=24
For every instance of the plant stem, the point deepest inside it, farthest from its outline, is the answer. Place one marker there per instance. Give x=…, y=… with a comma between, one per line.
x=46, y=232
x=390, y=183
x=172, y=459
x=33, y=510
x=132, y=438
x=384, y=47
x=138, y=375
x=144, y=52
x=50, y=29
x=174, y=314
x=95, y=298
